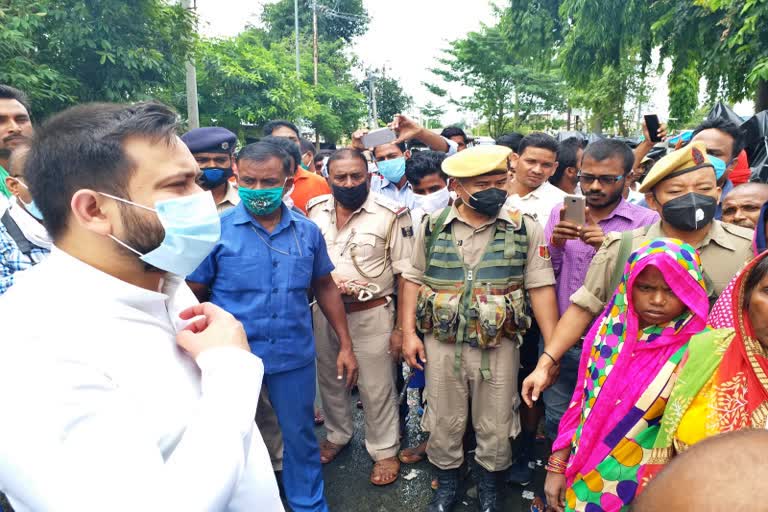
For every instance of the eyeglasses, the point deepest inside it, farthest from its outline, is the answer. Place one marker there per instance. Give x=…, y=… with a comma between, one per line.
x=588, y=179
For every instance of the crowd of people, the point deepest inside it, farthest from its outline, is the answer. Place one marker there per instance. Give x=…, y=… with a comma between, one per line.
x=179, y=311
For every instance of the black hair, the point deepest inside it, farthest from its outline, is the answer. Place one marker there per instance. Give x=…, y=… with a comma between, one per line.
x=401, y=145
x=322, y=154
x=454, y=131
x=267, y=149
x=306, y=146
x=11, y=93
x=278, y=123
x=728, y=127
x=538, y=140
x=603, y=149
x=82, y=147
x=346, y=154
x=755, y=276
x=510, y=140
x=566, y=157
x=422, y=164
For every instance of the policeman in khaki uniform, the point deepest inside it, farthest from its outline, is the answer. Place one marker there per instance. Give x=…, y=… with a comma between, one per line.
x=682, y=188
x=465, y=290
x=369, y=240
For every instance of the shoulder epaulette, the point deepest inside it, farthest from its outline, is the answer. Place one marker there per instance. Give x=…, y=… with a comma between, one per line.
x=317, y=200
x=391, y=205
x=739, y=231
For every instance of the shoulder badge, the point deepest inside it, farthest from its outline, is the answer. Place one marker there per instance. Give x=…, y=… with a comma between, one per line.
x=317, y=200
x=738, y=231
x=544, y=252
x=391, y=205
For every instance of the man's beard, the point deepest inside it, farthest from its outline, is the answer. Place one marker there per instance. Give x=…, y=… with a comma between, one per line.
x=141, y=234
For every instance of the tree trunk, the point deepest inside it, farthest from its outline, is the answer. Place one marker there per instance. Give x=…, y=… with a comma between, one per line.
x=761, y=98
x=596, y=123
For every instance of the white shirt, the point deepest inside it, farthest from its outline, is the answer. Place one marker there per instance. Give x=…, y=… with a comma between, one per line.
x=103, y=411
x=539, y=203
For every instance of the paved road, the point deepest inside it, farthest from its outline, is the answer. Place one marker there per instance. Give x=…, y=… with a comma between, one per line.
x=347, y=488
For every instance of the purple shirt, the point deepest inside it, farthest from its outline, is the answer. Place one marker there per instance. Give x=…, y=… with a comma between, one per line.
x=571, y=262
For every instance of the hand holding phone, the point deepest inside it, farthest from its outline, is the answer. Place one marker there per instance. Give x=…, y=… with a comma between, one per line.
x=652, y=125
x=378, y=137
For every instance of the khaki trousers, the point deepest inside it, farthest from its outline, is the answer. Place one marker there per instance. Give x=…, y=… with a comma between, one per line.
x=494, y=404
x=370, y=331
x=266, y=420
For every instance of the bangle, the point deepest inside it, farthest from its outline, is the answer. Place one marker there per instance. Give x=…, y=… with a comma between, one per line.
x=556, y=465
x=554, y=361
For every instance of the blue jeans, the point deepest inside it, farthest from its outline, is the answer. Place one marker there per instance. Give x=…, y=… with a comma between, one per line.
x=558, y=396
x=292, y=394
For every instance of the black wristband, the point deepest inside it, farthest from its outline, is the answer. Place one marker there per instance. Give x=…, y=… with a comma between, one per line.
x=552, y=358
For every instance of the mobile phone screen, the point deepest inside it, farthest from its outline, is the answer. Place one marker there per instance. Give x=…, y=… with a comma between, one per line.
x=653, y=125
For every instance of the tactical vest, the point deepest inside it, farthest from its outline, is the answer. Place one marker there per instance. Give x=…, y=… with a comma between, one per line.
x=478, y=305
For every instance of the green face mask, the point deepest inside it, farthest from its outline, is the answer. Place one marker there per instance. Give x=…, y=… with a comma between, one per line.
x=261, y=201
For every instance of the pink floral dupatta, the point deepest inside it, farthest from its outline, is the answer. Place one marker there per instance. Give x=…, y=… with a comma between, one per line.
x=619, y=362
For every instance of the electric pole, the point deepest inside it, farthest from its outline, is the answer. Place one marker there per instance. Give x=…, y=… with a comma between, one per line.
x=296, y=27
x=314, y=36
x=372, y=91
x=193, y=115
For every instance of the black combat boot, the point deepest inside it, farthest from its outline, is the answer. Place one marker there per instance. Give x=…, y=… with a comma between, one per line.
x=447, y=491
x=487, y=490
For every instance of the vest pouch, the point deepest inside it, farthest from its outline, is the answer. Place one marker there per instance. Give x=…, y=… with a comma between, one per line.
x=491, y=316
x=424, y=305
x=518, y=320
x=445, y=315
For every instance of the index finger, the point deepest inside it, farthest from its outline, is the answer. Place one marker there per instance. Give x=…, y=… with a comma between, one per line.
x=526, y=391
x=204, y=308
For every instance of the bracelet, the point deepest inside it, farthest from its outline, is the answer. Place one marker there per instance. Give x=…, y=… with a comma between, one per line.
x=556, y=363
x=556, y=465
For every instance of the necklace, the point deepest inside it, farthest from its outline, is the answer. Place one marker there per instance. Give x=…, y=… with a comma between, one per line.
x=285, y=253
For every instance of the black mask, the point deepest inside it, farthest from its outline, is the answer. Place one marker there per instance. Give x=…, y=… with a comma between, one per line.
x=212, y=177
x=488, y=202
x=351, y=197
x=689, y=212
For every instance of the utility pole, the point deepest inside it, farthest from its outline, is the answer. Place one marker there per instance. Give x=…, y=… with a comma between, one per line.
x=315, y=59
x=372, y=91
x=314, y=36
x=296, y=28
x=193, y=115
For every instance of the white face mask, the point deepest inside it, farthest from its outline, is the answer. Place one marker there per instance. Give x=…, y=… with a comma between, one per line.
x=434, y=201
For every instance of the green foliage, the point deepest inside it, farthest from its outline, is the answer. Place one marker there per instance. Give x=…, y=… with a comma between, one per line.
x=62, y=53
x=341, y=19
x=432, y=114
x=391, y=99
x=507, y=88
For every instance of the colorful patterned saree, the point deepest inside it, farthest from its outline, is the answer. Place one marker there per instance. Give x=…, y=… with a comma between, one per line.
x=723, y=385
x=625, y=377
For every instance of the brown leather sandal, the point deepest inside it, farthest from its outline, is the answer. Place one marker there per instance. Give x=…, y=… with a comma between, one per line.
x=329, y=451
x=414, y=454
x=389, y=466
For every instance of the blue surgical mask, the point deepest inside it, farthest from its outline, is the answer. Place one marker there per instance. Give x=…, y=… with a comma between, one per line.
x=192, y=228
x=393, y=170
x=214, y=176
x=719, y=166
x=30, y=207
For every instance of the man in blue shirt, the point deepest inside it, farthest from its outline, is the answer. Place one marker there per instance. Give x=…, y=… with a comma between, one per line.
x=261, y=271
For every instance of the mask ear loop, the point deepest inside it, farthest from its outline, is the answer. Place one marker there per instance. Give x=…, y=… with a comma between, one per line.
x=114, y=238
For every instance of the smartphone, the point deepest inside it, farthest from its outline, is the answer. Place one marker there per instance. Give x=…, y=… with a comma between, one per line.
x=378, y=137
x=574, y=210
x=653, y=125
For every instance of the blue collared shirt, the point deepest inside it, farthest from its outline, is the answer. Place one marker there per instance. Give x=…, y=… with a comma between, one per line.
x=403, y=196
x=263, y=287
x=13, y=261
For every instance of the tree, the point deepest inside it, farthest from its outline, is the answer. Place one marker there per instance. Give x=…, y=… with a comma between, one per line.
x=68, y=52
x=391, y=99
x=507, y=87
x=432, y=114
x=345, y=19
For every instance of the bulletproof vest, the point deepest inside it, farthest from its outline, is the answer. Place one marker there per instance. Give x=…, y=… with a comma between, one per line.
x=478, y=305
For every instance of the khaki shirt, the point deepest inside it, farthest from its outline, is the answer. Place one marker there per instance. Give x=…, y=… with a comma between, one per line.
x=472, y=243
x=231, y=198
x=363, y=239
x=723, y=253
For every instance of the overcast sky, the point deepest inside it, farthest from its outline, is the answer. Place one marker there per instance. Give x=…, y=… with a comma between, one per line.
x=406, y=36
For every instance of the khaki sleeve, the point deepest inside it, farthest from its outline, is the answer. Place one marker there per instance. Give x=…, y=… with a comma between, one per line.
x=401, y=244
x=595, y=292
x=538, y=267
x=417, y=265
